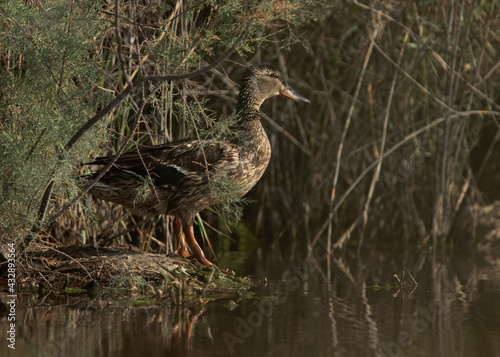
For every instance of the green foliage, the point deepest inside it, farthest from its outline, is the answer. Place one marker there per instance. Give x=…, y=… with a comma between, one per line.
x=144, y=190
x=47, y=75
x=221, y=128
x=229, y=194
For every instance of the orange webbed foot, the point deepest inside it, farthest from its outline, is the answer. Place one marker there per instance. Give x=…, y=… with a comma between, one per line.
x=195, y=248
x=193, y=245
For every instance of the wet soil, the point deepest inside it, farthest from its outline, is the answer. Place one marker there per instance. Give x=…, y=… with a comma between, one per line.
x=123, y=269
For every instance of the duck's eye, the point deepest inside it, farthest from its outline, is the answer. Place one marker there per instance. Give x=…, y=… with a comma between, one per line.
x=273, y=75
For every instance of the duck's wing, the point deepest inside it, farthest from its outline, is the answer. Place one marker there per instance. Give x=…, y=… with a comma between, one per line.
x=168, y=164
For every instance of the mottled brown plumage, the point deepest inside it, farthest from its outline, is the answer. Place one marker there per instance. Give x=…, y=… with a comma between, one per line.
x=174, y=178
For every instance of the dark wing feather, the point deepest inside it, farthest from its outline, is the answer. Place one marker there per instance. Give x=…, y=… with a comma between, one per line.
x=168, y=164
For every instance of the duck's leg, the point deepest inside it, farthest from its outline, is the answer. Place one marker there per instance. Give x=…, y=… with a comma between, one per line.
x=179, y=237
x=193, y=244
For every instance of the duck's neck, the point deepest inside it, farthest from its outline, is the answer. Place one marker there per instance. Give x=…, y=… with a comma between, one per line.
x=249, y=125
x=252, y=136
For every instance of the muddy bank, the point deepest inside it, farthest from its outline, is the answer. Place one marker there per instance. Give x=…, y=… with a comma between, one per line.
x=123, y=270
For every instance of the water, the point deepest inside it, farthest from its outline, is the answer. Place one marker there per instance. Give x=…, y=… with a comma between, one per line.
x=303, y=309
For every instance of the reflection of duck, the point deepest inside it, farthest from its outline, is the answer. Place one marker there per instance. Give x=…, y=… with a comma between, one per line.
x=174, y=178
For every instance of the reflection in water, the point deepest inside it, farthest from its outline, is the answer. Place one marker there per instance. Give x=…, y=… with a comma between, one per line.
x=455, y=311
x=79, y=326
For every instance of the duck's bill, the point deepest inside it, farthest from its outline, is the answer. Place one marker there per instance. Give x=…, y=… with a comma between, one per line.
x=290, y=93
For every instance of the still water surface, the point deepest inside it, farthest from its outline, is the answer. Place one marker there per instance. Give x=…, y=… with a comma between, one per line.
x=306, y=307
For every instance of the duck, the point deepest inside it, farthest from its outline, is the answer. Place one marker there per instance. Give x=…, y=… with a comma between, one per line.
x=175, y=178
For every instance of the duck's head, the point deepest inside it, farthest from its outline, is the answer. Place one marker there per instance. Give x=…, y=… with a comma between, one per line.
x=264, y=81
